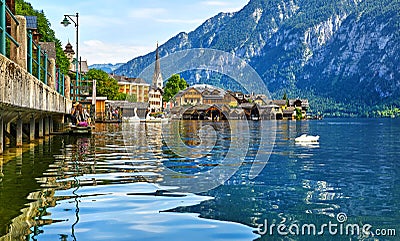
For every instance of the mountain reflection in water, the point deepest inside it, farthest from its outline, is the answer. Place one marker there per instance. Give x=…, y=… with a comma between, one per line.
x=112, y=185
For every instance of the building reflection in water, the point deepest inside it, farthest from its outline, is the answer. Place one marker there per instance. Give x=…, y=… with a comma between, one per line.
x=19, y=169
x=115, y=154
x=108, y=157
x=281, y=188
x=129, y=153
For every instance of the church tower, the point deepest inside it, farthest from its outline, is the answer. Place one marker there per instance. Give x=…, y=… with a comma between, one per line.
x=157, y=77
x=70, y=53
x=156, y=89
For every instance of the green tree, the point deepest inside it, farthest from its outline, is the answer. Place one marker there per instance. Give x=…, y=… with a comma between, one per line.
x=46, y=33
x=120, y=96
x=127, y=97
x=299, y=115
x=105, y=85
x=174, y=84
x=284, y=96
x=131, y=98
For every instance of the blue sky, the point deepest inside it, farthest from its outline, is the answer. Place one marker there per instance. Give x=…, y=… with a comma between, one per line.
x=117, y=31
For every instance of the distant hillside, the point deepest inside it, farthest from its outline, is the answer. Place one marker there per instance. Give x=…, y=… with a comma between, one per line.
x=109, y=68
x=342, y=55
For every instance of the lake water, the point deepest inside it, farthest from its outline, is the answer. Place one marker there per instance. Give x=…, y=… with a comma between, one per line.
x=140, y=182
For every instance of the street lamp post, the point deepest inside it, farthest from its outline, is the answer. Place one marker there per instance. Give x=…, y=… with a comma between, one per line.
x=66, y=22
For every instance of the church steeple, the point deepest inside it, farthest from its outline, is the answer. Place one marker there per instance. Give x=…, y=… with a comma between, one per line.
x=157, y=77
x=68, y=49
x=69, y=52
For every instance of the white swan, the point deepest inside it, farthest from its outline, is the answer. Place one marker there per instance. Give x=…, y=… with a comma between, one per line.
x=133, y=119
x=307, y=139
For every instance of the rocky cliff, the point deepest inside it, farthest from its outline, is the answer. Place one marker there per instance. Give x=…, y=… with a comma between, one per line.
x=337, y=53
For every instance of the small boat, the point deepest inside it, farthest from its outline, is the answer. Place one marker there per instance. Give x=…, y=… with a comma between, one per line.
x=131, y=120
x=307, y=139
x=158, y=119
x=80, y=130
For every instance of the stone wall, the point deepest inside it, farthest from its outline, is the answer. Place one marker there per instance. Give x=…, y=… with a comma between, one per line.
x=21, y=92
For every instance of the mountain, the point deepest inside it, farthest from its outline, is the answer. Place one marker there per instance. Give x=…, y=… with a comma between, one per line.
x=109, y=68
x=342, y=55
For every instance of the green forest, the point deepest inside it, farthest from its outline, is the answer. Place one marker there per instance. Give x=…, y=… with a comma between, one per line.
x=106, y=86
x=46, y=33
x=282, y=68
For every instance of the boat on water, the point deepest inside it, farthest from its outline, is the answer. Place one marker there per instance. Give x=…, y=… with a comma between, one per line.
x=315, y=117
x=131, y=120
x=306, y=139
x=80, y=130
x=156, y=119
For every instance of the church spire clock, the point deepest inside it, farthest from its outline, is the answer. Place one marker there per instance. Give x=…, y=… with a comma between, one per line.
x=157, y=76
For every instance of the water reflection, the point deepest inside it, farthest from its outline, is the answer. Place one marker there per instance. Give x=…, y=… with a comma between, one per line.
x=112, y=184
x=89, y=174
x=19, y=168
x=302, y=183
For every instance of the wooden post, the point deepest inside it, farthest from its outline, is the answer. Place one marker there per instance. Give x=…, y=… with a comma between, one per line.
x=7, y=127
x=1, y=135
x=40, y=127
x=51, y=124
x=32, y=129
x=46, y=126
x=19, y=132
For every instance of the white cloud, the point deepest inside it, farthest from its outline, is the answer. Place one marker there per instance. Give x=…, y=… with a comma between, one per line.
x=189, y=21
x=93, y=21
x=231, y=10
x=117, y=31
x=146, y=12
x=214, y=3
x=99, y=52
x=223, y=6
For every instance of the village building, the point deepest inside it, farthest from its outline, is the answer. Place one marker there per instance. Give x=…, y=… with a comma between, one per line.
x=100, y=107
x=133, y=86
x=156, y=88
x=127, y=109
x=70, y=53
x=83, y=67
x=80, y=86
x=261, y=100
x=207, y=102
x=289, y=108
x=203, y=94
